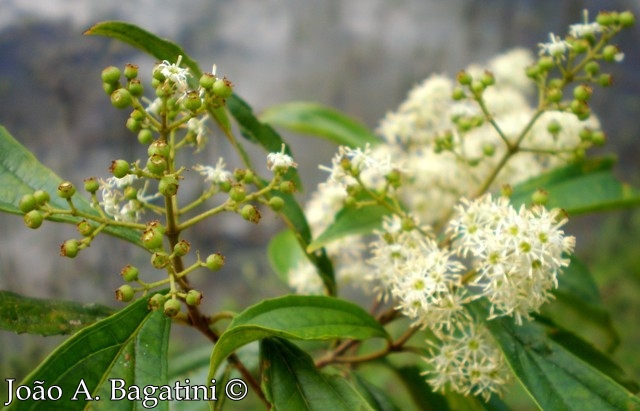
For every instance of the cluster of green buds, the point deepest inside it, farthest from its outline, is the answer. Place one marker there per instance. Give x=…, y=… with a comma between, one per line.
x=173, y=120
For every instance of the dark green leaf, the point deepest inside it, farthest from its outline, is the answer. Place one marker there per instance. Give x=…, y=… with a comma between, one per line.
x=377, y=398
x=579, y=188
x=143, y=40
x=21, y=173
x=351, y=221
x=291, y=381
x=554, y=378
x=422, y=394
x=318, y=120
x=131, y=345
x=47, y=317
x=296, y=317
x=284, y=253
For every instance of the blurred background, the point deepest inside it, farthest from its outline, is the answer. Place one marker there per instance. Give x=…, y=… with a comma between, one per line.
x=359, y=56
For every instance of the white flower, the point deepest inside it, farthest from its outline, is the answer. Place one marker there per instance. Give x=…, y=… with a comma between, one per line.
x=586, y=28
x=116, y=205
x=218, y=174
x=175, y=73
x=196, y=126
x=555, y=48
x=280, y=161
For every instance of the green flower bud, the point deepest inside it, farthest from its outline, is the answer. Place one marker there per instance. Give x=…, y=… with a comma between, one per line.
x=145, y=136
x=91, y=185
x=464, y=78
x=131, y=193
x=135, y=87
x=121, y=98
x=288, y=187
x=585, y=134
x=168, y=186
x=130, y=71
x=237, y=193
x=222, y=88
x=133, y=124
x=249, y=177
x=194, y=297
x=119, y=168
x=111, y=75
x=532, y=71
x=152, y=238
x=192, y=101
x=250, y=213
x=125, y=293
x=215, y=262
x=582, y=92
x=110, y=88
x=477, y=86
x=33, y=219
x=488, y=79
x=129, y=273
x=350, y=202
x=605, y=80
x=554, y=127
x=458, y=94
x=66, y=189
x=540, y=197
x=84, y=228
x=580, y=109
x=580, y=46
x=155, y=301
x=592, y=68
x=554, y=95
x=42, y=197
x=160, y=259
x=27, y=203
x=172, y=307
x=598, y=137
x=156, y=164
x=606, y=18
x=610, y=52
x=488, y=149
x=69, y=248
x=546, y=63
x=207, y=80
x=276, y=203
x=181, y=248
x=627, y=19
x=506, y=191
x=138, y=115
x=159, y=147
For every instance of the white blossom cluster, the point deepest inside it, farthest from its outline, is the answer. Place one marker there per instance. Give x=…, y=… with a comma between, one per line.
x=114, y=202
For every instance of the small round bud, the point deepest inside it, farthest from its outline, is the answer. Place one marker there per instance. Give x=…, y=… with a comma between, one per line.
x=69, y=248
x=592, y=68
x=125, y=293
x=84, y=228
x=109, y=88
x=207, y=80
x=181, y=248
x=605, y=80
x=276, y=203
x=580, y=46
x=215, y=262
x=131, y=193
x=408, y=224
x=579, y=108
x=129, y=273
x=156, y=164
x=464, y=78
x=458, y=94
x=249, y=177
x=33, y=219
x=394, y=178
x=66, y=189
x=135, y=87
x=145, y=136
x=168, y=186
x=506, y=191
x=239, y=174
x=627, y=19
x=152, y=238
x=477, y=86
x=194, y=297
x=488, y=149
x=540, y=197
x=582, y=92
x=121, y=98
x=138, y=115
x=172, y=307
x=554, y=95
x=159, y=147
x=350, y=201
x=554, y=127
x=130, y=71
x=119, y=168
x=488, y=79
x=111, y=75
x=41, y=196
x=237, y=193
x=585, y=134
x=222, y=88
x=27, y=203
x=192, y=101
x=160, y=259
x=250, y=213
x=288, y=187
x=532, y=71
x=610, y=52
x=133, y=124
x=606, y=18
x=598, y=137
x=91, y=185
x=155, y=301
x=546, y=63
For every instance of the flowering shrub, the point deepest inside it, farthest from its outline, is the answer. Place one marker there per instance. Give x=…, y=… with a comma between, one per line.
x=450, y=219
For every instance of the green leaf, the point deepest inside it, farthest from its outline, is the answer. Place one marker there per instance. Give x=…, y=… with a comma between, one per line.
x=421, y=393
x=351, y=221
x=554, y=378
x=284, y=253
x=130, y=345
x=377, y=398
x=579, y=188
x=21, y=173
x=47, y=317
x=143, y=40
x=291, y=381
x=318, y=120
x=296, y=317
